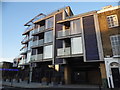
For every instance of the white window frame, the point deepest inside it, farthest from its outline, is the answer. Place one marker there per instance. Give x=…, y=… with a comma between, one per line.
x=115, y=44
x=112, y=21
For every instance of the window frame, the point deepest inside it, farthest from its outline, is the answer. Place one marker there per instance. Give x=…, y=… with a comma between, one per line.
x=112, y=21
x=115, y=45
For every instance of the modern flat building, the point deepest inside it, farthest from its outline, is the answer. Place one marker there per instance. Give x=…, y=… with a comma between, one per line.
x=71, y=49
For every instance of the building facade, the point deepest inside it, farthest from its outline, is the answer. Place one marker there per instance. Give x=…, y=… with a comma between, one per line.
x=109, y=22
x=66, y=48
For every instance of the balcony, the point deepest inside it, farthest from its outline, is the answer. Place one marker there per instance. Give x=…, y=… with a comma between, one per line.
x=23, y=61
x=23, y=51
x=28, y=29
x=37, y=43
x=63, y=51
x=63, y=33
x=37, y=57
x=38, y=30
x=25, y=40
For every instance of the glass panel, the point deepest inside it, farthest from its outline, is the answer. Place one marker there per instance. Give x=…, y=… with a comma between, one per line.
x=48, y=51
x=48, y=37
x=33, y=57
x=75, y=27
x=39, y=56
x=63, y=51
x=64, y=33
x=76, y=45
x=28, y=56
x=49, y=23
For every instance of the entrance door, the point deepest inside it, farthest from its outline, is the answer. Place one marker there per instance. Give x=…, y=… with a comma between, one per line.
x=116, y=77
x=79, y=77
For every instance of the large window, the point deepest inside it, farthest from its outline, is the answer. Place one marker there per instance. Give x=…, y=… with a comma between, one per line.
x=115, y=43
x=48, y=51
x=48, y=37
x=76, y=45
x=75, y=27
x=34, y=51
x=49, y=23
x=112, y=21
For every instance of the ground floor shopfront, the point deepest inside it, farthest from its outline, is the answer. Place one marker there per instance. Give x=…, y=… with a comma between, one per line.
x=74, y=71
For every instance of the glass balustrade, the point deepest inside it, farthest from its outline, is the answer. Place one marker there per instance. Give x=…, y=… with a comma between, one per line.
x=36, y=57
x=39, y=56
x=24, y=50
x=40, y=42
x=37, y=30
x=37, y=43
x=63, y=51
x=63, y=33
x=25, y=39
x=33, y=57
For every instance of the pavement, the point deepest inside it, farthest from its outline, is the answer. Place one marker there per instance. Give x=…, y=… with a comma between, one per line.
x=38, y=86
x=24, y=84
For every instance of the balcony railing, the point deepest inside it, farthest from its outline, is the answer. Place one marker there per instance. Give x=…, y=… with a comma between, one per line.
x=25, y=39
x=63, y=51
x=37, y=57
x=24, y=50
x=64, y=33
x=28, y=28
x=37, y=43
x=37, y=30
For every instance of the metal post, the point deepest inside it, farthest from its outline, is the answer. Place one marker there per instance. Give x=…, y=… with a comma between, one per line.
x=30, y=75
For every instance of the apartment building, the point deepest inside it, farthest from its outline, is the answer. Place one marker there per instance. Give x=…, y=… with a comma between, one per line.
x=70, y=49
x=109, y=22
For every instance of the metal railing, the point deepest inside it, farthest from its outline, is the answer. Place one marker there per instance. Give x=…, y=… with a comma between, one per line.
x=63, y=33
x=63, y=51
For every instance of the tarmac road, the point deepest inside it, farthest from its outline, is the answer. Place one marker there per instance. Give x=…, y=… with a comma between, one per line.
x=52, y=88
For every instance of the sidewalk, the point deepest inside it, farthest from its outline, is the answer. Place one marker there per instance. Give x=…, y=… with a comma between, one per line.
x=39, y=85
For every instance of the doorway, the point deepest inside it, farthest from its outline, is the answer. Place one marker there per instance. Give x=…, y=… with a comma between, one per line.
x=116, y=77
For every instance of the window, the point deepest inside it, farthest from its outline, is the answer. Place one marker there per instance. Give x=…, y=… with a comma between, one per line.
x=112, y=21
x=115, y=43
x=75, y=27
x=48, y=52
x=49, y=23
x=34, y=51
x=48, y=37
x=40, y=50
x=35, y=38
x=76, y=45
